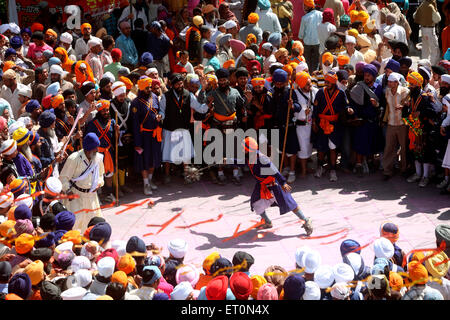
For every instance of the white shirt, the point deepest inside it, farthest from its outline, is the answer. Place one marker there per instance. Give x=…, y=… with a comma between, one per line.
x=268, y=62
x=82, y=48
x=438, y=103
x=398, y=31
x=324, y=30
x=13, y=98
x=106, y=58
x=95, y=62
x=141, y=14
x=355, y=57
x=268, y=20
x=304, y=104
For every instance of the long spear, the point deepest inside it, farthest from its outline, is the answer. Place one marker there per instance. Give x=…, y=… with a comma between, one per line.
x=287, y=121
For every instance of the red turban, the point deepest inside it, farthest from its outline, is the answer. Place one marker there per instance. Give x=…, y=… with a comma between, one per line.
x=253, y=63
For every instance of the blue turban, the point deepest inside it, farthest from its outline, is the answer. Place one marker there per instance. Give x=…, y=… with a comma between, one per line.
x=160, y=296
x=294, y=287
x=136, y=244
x=9, y=52
x=371, y=69
x=101, y=232
x=146, y=58
x=22, y=212
x=279, y=75
x=46, y=119
x=90, y=141
x=58, y=234
x=447, y=54
x=53, y=60
x=376, y=64
x=348, y=246
x=342, y=75
x=64, y=220
x=222, y=264
x=47, y=54
x=155, y=25
x=210, y=48
x=32, y=105
x=20, y=284
x=222, y=73
x=407, y=61
x=275, y=39
x=46, y=242
x=264, y=4
x=26, y=30
x=53, y=89
x=16, y=42
x=393, y=65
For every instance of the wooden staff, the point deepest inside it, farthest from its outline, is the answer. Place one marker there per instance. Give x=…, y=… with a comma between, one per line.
x=81, y=139
x=117, y=165
x=287, y=123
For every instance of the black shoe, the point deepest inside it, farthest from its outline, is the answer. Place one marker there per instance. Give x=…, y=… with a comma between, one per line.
x=386, y=177
x=265, y=226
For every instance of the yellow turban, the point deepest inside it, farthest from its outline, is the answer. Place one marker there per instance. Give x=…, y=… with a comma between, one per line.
x=353, y=32
x=209, y=260
x=258, y=282
x=435, y=265
x=127, y=81
x=302, y=78
x=56, y=100
x=353, y=15
x=253, y=18
x=369, y=26
x=363, y=17
x=251, y=38
x=21, y=135
x=144, y=83
x=417, y=272
x=415, y=79
x=327, y=56
x=103, y=104
x=280, y=52
x=51, y=32
x=197, y=20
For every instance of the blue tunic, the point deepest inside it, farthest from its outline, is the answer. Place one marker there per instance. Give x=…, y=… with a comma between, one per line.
x=108, y=139
x=368, y=138
x=24, y=167
x=284, y=199
x=142, y=115
x=279, y=107
x=320, y=139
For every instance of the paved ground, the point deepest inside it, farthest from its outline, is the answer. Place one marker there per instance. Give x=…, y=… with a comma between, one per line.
x=356, y=205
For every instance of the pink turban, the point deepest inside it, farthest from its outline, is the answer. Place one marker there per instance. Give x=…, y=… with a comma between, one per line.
x=3, y=123
x=328, y=15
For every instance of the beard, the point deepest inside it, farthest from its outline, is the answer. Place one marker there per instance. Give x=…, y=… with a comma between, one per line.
x=224, y=88
x=415, y=91
x=26, y=150
x=51, y=132
x=443, y=91
x=326, y=69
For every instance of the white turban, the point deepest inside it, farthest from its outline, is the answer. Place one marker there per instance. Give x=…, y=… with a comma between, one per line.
x=343, y=272
x=299, y=253
x=118, y=88
x=106, y=266
x=151, y=70
x=25, y=199
x=16, y=125
x=324, y=276
x=394, y=76
x=340, y=291
x=181, y=291
x=25, y=91
x=311, y=260
x=53, y=185
x=383, y=248
x=6, y=200
x=312, y=291
x=389, y=35
x=230, y=24
x=178, y=248
x=79, y=263
x=350, y=39
x=94, y=42
x=445, y=78
x=75, y=293
x=8, y=147
x=120, y=246
x=66, y=38
x=109, y=76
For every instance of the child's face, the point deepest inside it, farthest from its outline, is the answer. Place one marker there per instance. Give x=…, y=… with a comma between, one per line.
x=184, y=58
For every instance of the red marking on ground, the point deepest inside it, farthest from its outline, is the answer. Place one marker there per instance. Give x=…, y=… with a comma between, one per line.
x=132, y=205
x=235, y=235
x=201, y=222
x=325, y=235
x=165, y=224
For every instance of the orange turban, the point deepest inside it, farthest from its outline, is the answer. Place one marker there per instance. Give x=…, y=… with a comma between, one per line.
x=251, y=38
x=73, y=235
x=395, y=281
x=144, y=83
x=8, y=65
x=127, y=81
x=36, y=27
x=126, y=263
x=298, y=45
x=51, y=32
x=103, y=104
x=120, y=277
x=417, y=272
x=229, y=64
x=343, y=59
x=331, y=77
x=56, y=100
x=257, y=282
x=85, y=26
x=288, y=68
x=281, y=52
x=66, y=62
x=302, y=78
x=309, y=3
x=415, y=79
x=253, y=18
x=327, y=56
x=258, y=82
x=353, y=15
x=83, y=76
x=363, y=17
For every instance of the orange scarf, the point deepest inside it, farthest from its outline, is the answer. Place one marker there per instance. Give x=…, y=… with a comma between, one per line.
x=66, y=62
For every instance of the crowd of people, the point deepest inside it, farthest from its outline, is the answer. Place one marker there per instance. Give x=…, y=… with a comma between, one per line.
x=80, y=115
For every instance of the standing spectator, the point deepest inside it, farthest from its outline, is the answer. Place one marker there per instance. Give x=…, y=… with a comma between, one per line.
x=268, y=21
x=108, y=44
x=137, y=11
x=428, y=17
x=158, y=45
x=140, y=36
x=251, y=28
x=37, y=48
x=338, y=10
x=326, y=28
x=392, y=26
x=94, y=59
x=126, y=45
x=81, y=46
x=309, y=35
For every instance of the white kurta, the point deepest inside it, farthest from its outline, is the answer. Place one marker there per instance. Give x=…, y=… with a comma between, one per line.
x=304, y=132
x=75, y=165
